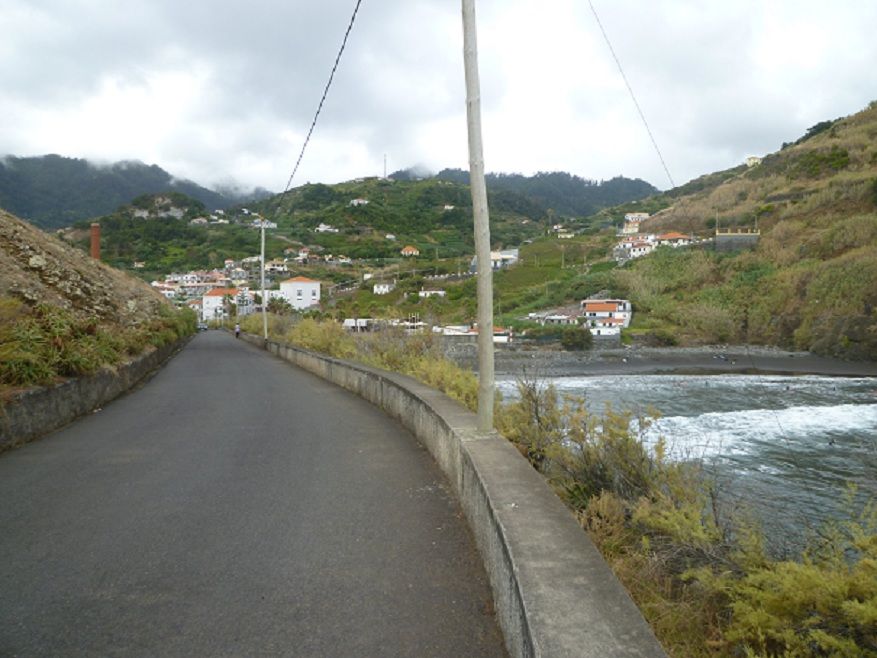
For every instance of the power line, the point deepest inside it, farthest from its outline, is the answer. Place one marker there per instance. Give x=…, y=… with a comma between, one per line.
x=323, y=99
x=632, y=95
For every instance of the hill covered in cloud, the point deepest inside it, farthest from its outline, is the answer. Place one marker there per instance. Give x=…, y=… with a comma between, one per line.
x=563, y=193
x=52, y=191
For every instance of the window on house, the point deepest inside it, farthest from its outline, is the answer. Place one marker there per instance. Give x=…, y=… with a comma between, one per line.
x=298, y=294
x=313, y=293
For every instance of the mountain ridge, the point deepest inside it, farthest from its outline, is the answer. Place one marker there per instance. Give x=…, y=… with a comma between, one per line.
x=53, y=191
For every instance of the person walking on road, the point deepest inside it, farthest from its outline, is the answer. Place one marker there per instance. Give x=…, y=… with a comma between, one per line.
x=237, y=331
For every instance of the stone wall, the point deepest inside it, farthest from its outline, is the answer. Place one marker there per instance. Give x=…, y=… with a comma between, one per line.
x=38, y=411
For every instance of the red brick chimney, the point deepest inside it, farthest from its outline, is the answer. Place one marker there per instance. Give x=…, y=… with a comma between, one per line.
x=95, y=241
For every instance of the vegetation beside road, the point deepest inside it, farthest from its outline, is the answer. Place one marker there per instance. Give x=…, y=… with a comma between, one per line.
x=38, y=345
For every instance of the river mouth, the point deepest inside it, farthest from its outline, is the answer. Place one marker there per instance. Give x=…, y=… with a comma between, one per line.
x=784, y=447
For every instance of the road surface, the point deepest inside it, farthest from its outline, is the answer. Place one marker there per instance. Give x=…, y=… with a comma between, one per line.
x=236, y=506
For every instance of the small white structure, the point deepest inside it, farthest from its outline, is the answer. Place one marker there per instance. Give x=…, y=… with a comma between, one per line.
x=301, y=292
x=633, y=248
x=276, y=266
x=632, y=220
x=431, y=293
x=409, y=251
x=358, y=202
x=753, y=160
x=325, y=228
x=673, y=239
x=383, y=288
x=605, y=326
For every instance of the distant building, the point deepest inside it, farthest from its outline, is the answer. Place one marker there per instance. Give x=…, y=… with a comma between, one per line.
x=325, y=228
x=606, y=313
x=383, y=288
x=276, y=266
x=431, y=293
x=753, y=160
x=632, y=221
x=409, y=251
x=214, y=304
x=301, y=292
x=358, y=202
x=673, y=239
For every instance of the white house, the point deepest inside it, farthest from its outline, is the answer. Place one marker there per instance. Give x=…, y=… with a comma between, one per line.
x=431, y=293
x=753, y=160
x=325, y=228
x=632, y=220
x=276, y=266
x=383, y=288
x=358, y=202
x=673, y=239
x=605, y=326
x=633, y=248
x=598, y=310
x=500, y=259
x=301, y=292
x=213, y=303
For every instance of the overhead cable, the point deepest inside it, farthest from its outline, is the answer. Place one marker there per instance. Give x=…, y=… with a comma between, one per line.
x=323, y=99
x=632, y=95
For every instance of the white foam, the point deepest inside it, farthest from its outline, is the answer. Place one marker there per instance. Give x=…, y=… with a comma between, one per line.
x=736, y=432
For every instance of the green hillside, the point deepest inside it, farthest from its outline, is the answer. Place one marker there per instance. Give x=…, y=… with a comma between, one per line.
x=811, y=283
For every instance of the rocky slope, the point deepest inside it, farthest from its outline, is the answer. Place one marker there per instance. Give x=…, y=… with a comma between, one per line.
x=38, y=268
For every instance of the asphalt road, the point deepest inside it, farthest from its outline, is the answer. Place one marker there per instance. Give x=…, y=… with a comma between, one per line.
x=236, y=506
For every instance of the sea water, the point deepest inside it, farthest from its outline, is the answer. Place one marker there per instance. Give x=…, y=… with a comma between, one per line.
x=784, y=448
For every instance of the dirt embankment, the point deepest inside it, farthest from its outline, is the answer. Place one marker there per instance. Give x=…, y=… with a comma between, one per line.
x=36, y=268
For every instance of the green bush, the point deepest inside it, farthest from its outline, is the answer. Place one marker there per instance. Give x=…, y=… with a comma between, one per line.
x=40, y=344
x=701, y=577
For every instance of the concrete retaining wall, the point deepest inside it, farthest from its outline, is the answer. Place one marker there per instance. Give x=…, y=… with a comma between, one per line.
x=554, y=594
x=38, y=411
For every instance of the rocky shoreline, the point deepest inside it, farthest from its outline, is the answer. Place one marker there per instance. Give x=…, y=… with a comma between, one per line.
x=518, y=360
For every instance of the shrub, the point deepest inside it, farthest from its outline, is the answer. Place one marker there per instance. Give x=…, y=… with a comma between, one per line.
x=702, y=578
x=326, y=337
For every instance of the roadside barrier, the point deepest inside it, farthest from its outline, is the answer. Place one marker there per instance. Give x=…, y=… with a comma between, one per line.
x=554, y=593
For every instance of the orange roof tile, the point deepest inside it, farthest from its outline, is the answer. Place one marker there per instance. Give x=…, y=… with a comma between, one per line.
x=598, y=307
x=300, y=279
x=222, y=292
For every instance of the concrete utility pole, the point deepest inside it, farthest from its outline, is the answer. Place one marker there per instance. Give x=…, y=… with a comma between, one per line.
x=264, y=301
x=482, y=221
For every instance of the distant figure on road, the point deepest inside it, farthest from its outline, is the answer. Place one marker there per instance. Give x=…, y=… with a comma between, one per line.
x=237, y=331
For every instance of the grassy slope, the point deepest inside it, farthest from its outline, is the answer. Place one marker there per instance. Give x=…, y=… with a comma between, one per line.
x=812, y=281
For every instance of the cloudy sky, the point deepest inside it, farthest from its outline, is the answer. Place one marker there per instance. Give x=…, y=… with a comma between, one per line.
x=221, y=91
